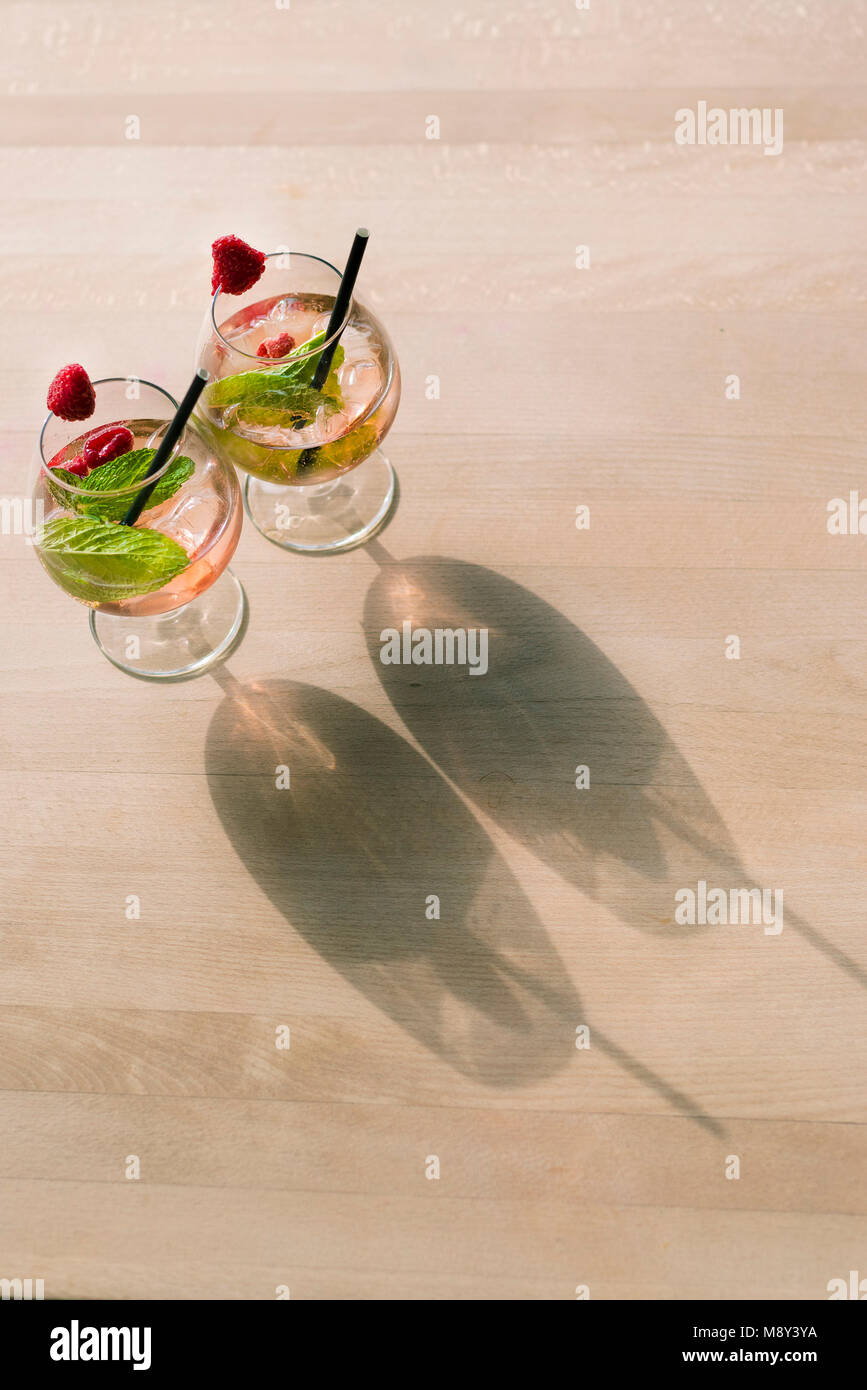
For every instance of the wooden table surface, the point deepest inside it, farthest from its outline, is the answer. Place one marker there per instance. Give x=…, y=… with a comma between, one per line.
x=413, y=1040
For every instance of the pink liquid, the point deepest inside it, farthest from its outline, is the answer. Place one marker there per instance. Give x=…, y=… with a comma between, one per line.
x=332, y=443
x=207, y=564
x=204, y=517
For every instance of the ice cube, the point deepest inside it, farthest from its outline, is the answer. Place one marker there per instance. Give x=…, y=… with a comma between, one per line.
x=283, y=309
x=359, y=380
x=187, y=518
x=337, y=425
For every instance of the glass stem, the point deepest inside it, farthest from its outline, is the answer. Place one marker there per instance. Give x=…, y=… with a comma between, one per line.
x=317, y=489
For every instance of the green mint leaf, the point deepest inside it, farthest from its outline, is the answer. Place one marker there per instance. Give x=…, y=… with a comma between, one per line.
x=101, y=562
x=53, y=478
x=119, y=473
x=132, y=468
x=179, y=471
x=295, y=408
x=283, y=395
x=247, y=385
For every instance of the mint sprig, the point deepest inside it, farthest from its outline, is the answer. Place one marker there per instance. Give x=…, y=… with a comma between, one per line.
x=101, y=562
x=117, y=474
x=283, y=395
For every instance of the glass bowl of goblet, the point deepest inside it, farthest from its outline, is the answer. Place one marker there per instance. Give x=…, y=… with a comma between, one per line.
x=163, y=604
x=318, y=480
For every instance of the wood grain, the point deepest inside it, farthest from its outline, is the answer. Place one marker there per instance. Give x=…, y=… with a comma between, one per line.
x=559, y=387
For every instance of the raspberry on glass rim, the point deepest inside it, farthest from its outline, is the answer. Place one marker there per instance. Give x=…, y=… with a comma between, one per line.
x=237, y=265
x=71, y=394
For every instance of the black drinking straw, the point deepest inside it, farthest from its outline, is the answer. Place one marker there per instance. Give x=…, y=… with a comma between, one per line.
x=335, y=323
x=169, y=440
x=341, y=306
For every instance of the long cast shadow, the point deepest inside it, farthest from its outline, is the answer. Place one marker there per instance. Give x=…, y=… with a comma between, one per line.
x=352, y=852
x=551, y=700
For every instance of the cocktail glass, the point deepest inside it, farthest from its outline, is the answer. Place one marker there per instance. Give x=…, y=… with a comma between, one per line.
x=162, y=609
x=318, y=480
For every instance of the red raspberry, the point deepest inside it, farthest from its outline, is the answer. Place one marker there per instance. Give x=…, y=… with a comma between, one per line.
x=237, y=266
x=276, y=347
x=71, y=394
x=79, y=466
x=106, y=444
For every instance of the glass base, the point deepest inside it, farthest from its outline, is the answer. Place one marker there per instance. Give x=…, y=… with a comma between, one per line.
x=176, y=645
x=324, y=517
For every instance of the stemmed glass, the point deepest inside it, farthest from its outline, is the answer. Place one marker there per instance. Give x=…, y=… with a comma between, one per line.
x=318, y=480
x=162, y=603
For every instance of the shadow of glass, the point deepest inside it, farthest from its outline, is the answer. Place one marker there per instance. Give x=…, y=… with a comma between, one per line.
x=350, y=854
x=512, y=739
